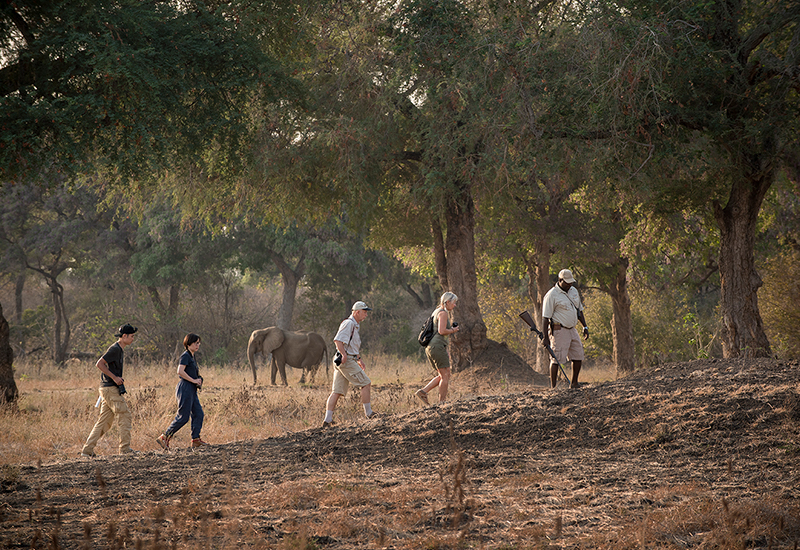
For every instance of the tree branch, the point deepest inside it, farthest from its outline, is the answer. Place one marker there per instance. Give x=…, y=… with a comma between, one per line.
x=768, y=26
x=22, y=25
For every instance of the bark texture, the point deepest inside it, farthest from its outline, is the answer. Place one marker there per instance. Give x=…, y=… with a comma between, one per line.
x=538, y=267
x=463, y=280
x=290, y=277
x=624, y=353
x=8, y=388
x=743, y=330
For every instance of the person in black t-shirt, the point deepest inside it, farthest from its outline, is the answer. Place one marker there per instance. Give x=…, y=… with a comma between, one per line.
x=112, y=391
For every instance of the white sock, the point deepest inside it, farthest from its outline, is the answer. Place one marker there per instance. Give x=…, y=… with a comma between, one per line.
x=328, y=416
x=367, y=409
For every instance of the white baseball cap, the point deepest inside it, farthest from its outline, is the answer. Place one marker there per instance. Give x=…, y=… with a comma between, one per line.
x=361, y=305
x=566, y=274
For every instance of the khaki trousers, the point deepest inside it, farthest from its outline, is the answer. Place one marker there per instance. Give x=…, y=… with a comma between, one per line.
x=114, y=405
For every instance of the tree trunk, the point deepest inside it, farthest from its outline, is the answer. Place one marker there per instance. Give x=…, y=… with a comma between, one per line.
x=286, y=311
x=538, y=268
x=8, y=388
x=18, y=306
x=61, y=322
x=463, y=280
x=173, y=341
x=439, y=255
x=155, y=299
x=423, y=297
x=170, y=345
x=290, y=279
x=742, y=328
x=624, y=354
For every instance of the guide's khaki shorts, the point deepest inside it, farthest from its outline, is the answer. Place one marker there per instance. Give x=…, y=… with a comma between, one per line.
x=567, y=345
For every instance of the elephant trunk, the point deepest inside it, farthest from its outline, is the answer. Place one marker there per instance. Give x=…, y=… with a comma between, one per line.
x=251, y=356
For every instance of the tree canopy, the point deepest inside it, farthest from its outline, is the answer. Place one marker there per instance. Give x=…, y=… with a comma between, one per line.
x=126, y=84
x=546, y=134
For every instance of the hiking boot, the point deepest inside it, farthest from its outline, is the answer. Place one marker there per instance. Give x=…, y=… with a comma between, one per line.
x=163, y=441
x=88, y=455
x=422, y=395
x=326, y=425
x=198, y=443
x=373, y=415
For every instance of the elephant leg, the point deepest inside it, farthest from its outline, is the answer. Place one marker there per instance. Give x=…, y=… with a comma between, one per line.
x=274, y=370
x=303, y=377
x=282, y=370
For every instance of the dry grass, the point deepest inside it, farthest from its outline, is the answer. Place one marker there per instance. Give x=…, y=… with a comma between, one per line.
x=490, y=499
x=56, y=407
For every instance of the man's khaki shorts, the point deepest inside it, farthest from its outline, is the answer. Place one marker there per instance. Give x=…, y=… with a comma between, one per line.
x=567, y=345
x=349, y=373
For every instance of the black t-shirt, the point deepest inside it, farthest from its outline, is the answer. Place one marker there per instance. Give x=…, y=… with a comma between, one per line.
x=114, y=356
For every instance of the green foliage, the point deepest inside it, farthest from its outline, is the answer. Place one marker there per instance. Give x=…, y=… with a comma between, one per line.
x=127, y=83
x=778, y=300
x=169, y=252
x=779, y=222
x=501, y=305
x=600, y=345
x=595, y=136
x=668, y=326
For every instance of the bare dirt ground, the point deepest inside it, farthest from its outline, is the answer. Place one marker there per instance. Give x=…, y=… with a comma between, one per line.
x=704, y=454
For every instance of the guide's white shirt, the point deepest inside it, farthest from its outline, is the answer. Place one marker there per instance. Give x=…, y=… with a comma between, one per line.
x=562, y=307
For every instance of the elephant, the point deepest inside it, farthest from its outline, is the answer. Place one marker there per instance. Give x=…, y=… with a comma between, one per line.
x=301, y=350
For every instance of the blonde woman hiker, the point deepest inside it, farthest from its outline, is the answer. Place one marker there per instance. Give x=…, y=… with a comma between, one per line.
x=436, y=350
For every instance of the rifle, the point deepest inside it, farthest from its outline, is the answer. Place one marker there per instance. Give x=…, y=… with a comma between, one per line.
x=525, y=316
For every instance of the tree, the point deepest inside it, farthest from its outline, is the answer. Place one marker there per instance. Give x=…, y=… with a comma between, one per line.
x=711, y=87
x=128, y=84
x=53, y=227
x=173, y=255
x=601, y=258
x=398, y=125
x=287, y=250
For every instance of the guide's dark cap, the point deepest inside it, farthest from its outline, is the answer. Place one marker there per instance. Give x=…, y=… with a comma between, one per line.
x=126, y=329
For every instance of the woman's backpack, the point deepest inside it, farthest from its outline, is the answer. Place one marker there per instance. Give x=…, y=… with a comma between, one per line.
x=426, y=333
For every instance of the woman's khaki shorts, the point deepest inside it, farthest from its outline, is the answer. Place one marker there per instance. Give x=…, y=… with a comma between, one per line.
x=349, y=373
x=437, y=355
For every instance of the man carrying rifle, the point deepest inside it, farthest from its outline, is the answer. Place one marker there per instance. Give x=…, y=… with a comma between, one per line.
x=561, y=311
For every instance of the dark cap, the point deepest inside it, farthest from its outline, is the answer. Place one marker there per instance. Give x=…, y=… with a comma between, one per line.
x=126, y=329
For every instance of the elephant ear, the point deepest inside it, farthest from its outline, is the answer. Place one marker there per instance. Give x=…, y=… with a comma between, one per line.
x=273, y=338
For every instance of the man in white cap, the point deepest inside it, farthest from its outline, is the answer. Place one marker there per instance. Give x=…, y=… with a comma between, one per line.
x=351, y=368
x=561, y=311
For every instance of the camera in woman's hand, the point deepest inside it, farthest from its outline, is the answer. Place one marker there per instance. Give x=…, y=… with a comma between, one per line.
x=337, y=359
x=122, y=390
x=455, y=325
